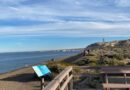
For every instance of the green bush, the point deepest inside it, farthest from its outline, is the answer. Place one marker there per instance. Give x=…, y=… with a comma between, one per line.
x=93, y=82
x=127, y=55
x=81, y=62
x=118, y=56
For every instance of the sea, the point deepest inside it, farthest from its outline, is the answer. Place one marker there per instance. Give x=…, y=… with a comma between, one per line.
x=16, y=60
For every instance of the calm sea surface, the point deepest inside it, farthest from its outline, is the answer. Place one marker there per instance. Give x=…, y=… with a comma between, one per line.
x=12, y=61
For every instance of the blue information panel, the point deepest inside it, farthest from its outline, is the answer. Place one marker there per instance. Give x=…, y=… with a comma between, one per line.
x=41, y=70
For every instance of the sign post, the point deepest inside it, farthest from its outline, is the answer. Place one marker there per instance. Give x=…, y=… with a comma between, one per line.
x=41, y=71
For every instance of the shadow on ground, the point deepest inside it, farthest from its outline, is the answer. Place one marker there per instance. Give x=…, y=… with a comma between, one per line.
x=22, y=78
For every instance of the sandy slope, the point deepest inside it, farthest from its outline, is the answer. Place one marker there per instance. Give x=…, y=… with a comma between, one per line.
x=22, y=79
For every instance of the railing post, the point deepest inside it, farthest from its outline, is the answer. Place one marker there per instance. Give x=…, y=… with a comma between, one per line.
x=106, y=78
x=42, y=83
x=125, y=77
x=70, y=85
x=66, y=88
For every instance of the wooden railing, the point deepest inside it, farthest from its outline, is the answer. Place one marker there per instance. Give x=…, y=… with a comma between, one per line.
x=64, y=81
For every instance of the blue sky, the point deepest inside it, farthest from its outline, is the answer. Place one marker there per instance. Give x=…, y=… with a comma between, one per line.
x=28, y=25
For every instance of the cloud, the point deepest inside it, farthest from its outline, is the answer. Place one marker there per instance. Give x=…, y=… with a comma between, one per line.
x=69, y=29
x=123, y=3
x=68, y=18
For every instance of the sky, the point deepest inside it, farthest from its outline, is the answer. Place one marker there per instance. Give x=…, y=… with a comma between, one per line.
x=31, y=25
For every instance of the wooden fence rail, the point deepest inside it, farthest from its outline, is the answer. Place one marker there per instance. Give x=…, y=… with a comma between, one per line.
x=64, y=81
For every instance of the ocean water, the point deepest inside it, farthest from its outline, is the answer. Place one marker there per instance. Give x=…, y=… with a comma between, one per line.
x=13, y=61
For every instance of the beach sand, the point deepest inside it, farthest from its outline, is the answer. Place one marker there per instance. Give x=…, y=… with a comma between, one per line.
x=22, y=79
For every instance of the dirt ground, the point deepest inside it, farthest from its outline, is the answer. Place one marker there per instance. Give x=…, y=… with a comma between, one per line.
x=22, y=79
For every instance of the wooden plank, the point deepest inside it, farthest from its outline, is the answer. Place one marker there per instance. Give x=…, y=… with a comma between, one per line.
x=115, y=71
x=121, y=86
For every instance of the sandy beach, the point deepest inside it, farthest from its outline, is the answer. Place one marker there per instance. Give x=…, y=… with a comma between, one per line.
x=22, y=79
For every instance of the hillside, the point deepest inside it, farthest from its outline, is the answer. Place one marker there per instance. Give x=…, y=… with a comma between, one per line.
x=106, y=53
x=116, y=44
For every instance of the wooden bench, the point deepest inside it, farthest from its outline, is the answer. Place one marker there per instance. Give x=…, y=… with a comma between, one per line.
x=116, y=71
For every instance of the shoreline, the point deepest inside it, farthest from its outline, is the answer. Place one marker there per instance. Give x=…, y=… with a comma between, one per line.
x=44, y=62
x=23, y=64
